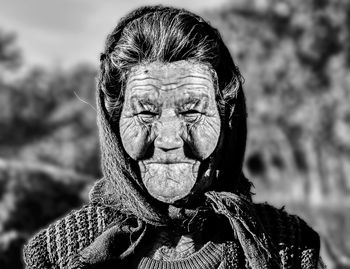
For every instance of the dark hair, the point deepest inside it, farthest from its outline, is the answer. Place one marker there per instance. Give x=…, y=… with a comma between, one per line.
x=167, y=35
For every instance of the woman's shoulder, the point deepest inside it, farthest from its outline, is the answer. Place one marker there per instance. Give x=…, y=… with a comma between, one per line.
x=295, y=240
x=61, y=240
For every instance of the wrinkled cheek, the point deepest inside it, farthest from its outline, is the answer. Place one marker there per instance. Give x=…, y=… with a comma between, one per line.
x=135, y=140
x=204, y=139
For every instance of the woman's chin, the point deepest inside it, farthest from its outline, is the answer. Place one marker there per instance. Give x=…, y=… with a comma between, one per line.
x=169, y=183
x=171, y=199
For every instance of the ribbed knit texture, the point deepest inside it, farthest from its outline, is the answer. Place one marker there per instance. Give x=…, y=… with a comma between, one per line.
x=57, y=245
x=297, y=245
x=208, y=257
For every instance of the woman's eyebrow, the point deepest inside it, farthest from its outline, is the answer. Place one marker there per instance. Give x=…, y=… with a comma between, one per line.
x=144, y=99
x=143, y=104
x=202, y=98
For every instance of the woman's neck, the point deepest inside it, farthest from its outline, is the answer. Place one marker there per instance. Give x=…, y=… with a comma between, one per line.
x=169, y=246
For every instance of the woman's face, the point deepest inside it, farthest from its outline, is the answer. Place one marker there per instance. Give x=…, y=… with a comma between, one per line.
x=169, y=124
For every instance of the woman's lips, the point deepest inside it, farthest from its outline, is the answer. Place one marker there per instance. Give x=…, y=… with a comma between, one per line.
x=169, y=160
x=194, y=163
x=176, y=176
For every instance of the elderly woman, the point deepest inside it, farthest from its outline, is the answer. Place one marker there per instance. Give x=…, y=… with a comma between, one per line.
x=172, y=124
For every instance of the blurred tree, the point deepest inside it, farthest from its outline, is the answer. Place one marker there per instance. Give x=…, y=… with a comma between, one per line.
x=294, y=56
x=10, y=55
x=299, y=89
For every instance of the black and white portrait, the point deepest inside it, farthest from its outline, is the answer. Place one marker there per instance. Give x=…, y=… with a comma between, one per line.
x=175, y=135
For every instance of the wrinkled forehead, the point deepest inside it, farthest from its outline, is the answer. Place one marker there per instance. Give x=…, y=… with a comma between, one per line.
x=168, y=76
x=164, y=70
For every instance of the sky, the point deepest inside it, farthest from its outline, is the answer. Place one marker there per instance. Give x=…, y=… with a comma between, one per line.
x=63, y=33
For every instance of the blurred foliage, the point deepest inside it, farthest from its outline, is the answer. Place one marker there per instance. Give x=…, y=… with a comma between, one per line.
x=10, y=56
x=43, y=119
x=295, y=58
x=49, y=152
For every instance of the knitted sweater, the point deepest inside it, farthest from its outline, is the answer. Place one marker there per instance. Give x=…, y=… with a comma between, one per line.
x=295, y=243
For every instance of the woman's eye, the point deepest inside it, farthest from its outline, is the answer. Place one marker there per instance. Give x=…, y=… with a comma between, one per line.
x=191, y=115
x=147, y=116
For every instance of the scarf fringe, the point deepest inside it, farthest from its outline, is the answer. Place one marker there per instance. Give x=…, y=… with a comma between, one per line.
x=254, y=240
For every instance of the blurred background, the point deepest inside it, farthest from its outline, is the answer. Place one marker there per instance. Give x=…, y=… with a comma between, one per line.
x=294, y=56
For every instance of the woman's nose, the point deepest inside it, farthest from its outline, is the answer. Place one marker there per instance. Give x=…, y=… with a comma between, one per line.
x=168, y=135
